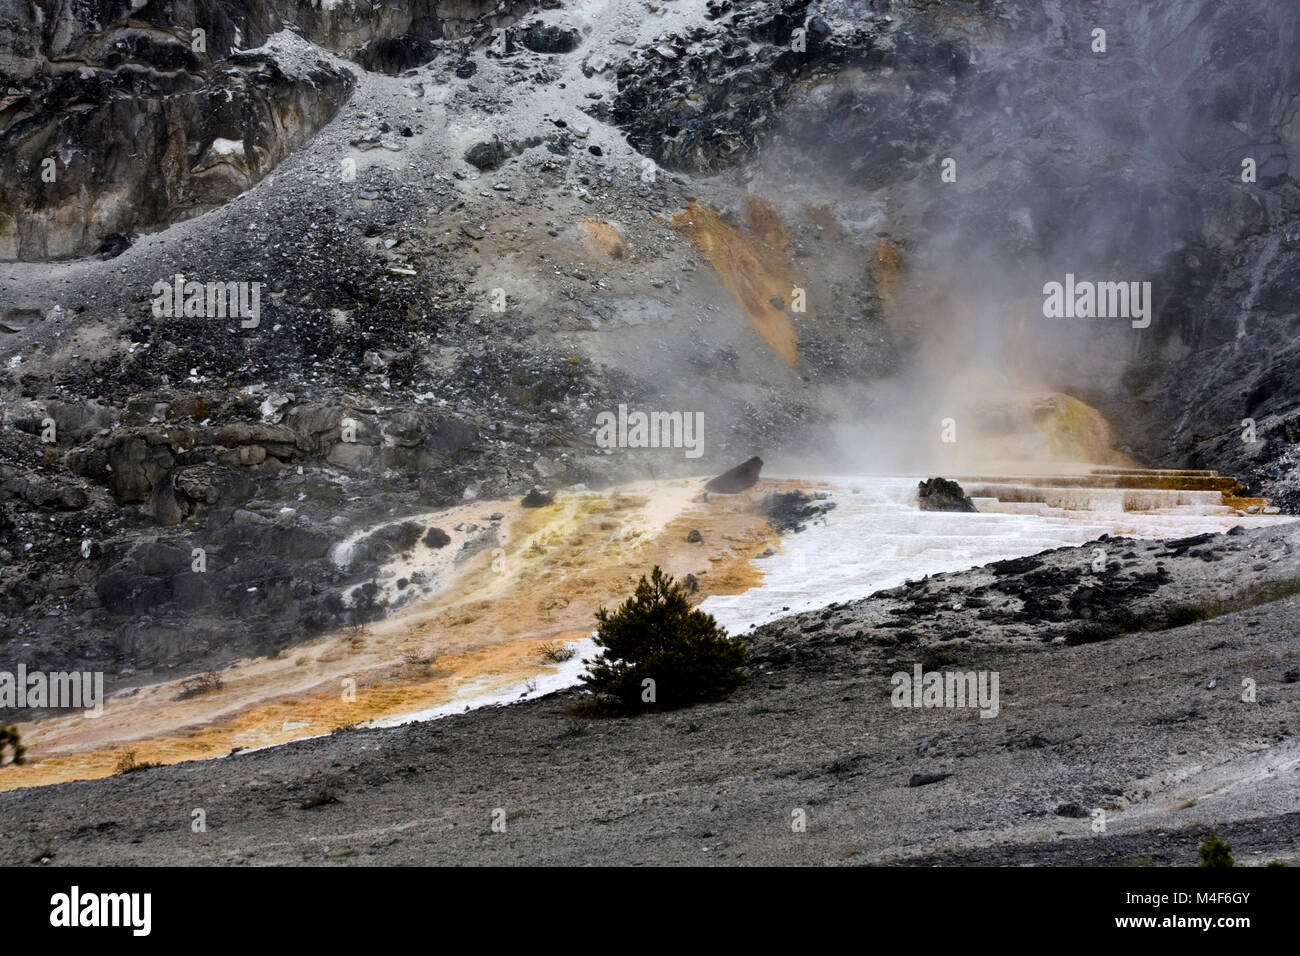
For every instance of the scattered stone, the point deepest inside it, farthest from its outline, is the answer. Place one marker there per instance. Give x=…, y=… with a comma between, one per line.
x=925, y=779
x=537, y=499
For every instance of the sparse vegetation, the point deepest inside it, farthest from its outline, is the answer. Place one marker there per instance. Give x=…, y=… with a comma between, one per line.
x=9, y=739
x=416, y=664
x=1214, y=852
x=659, y=652
x=577, y=728
x=1125, y=621
x=938, y=658
x=128, y=764
x=1092, y=632
x=554, y=652
x=1162, y=618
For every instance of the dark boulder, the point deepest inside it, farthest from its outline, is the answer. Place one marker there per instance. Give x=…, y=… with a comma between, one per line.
x=940, y=494
x=382, y=544
x=538, y=499
x=549, y=38
x=114, y=244
x=737, y=479
x=925, y=779
x=486, y=155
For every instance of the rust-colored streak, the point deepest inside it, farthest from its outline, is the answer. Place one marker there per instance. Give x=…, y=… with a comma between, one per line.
x=765, y=223
x=603, y=238
x=889, y=265
x=756, y=274
x=482, y=634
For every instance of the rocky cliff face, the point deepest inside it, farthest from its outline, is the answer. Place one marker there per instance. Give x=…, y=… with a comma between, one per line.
x=116, y=121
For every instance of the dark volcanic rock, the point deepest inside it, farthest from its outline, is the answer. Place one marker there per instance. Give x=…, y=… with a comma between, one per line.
x=393, y=55
x=538, y=499
x=702, y=111
x=925, y=779
x=40, y=495
x=940, y=494
x=744, y=475
x=115, y=244
x=486, y=155
x=789, y=511
x=550, y=38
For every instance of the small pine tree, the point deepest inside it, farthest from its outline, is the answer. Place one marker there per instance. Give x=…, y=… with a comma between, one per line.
x=1214, y=852
x=656, y=635
x=9, y=738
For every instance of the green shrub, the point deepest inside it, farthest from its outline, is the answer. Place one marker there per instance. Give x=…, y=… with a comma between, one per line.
x=659, y=652
x=1091, y=633
x=1214, y=852
x=9, y=739
x=1180, y=615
